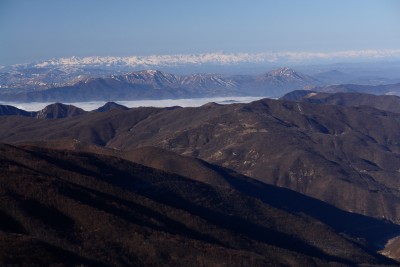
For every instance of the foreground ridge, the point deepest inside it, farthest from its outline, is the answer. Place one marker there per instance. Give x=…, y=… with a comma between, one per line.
x=79, y=206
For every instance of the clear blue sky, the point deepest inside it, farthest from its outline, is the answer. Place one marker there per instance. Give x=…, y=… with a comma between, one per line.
x=41, y=29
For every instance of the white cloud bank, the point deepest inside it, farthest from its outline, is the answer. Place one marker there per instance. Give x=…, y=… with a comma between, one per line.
x=92, y=105
x=218, y=58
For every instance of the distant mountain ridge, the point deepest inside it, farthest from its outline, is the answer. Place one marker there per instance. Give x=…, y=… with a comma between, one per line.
x=75, y=79
x=148, y=61
x=153, y=84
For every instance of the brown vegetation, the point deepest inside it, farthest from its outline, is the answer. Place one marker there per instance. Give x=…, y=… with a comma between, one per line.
x=72, y=208
x=202, y=186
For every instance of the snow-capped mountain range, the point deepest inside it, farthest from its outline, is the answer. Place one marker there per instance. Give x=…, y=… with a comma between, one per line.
x=59, y=72
x=154, y=84
x=158, y=79
x=154, y=77
x=147, y=61
x=68, y=71
x=220, y=58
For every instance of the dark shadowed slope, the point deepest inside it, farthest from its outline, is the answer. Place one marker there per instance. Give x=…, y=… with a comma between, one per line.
x=355, y=225
x=171, y=162
x=98, y=210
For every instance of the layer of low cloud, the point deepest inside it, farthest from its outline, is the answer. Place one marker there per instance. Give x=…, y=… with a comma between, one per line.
x=92, y=105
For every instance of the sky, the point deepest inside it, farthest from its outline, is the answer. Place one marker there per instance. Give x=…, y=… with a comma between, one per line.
x=33, y=30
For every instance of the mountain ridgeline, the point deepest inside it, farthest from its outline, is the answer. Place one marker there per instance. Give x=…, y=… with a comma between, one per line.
x=71, y=85
x=311, y=179
x=152, y=84
x=347, y=156
x=56, y=110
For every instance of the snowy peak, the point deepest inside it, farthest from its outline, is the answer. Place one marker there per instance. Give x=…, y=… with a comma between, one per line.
x=287, y=75
x=156, y=75
x=160, y=79
x=285, y=72
x=149, y=77
x=218, y=58
x=208, y=80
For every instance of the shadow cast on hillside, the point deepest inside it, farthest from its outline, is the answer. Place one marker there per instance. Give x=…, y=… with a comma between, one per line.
x=373, y=230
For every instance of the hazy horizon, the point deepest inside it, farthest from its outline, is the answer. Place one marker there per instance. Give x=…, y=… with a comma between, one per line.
x=41, y=30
